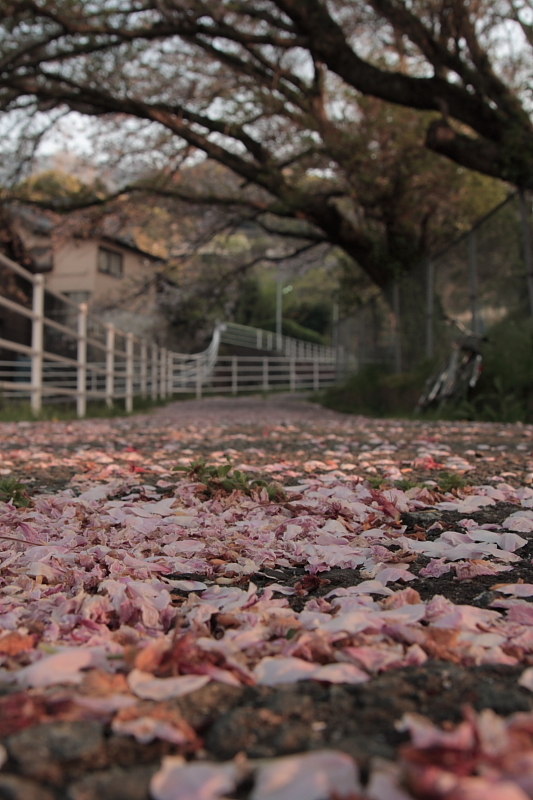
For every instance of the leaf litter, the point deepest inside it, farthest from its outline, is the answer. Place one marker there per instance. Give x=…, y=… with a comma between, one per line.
x=292, y=545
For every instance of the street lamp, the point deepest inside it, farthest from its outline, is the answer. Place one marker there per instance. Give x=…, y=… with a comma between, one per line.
x=280, y=291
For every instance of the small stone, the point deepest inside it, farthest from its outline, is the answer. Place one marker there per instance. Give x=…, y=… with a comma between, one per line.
x=412, y=518
x=113, y=784
x=484, y=599
x=41, y=750
x=12, y=787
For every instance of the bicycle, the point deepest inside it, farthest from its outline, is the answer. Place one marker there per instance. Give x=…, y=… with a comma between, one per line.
x=453, y=383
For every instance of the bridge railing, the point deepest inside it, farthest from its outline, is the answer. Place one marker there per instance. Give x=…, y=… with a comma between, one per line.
x=258, y=339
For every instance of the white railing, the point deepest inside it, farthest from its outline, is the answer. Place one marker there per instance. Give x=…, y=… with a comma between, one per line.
x=65, y=353
x=258, y=339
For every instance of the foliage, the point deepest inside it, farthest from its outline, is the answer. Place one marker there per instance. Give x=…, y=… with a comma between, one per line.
x=312, y=316
x=505, y=389
x=224, y=288
x=306, y=314
x=59, y=188
x=20, y=411
x=447, y=481
x=504, y=392
x=377, y=392
x=11, y=491
x=404, y=484
x=375, y=481
x=291, y=328
x=253, y=304
x=227, y=479
x=321, y=113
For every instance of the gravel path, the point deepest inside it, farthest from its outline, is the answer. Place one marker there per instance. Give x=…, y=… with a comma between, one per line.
x=120, y=557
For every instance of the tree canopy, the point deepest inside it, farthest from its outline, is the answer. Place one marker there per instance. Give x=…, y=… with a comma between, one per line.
x=320, y=109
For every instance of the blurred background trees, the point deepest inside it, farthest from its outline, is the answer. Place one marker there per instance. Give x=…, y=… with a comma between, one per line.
x=360, y=135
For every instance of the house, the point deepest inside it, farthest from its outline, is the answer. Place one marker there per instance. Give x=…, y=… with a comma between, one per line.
x=92, y=263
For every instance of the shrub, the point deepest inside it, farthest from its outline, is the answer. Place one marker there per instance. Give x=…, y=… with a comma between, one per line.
x=377, y=392
x=504, y=392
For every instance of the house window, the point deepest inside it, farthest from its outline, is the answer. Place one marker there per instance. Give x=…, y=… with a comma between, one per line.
x=110, y=262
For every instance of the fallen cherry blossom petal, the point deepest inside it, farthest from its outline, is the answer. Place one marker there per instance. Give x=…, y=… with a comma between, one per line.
x=468, y=505
x=469, y=569
x=177, y=780
x=105, y=705
x=313, y=776
x=384, y=782
x=520, y=522
x=64, y=667
x=340, y=673
x=526, y=679
x=146, y=729
x=426, y=735
x=186, y=586
x=148, y=687
x=272, y=671
x=517, y=589
x=392, y=574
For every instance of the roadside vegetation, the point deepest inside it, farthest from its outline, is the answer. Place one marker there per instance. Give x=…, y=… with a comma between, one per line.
x=21, y=411
x=504, y=392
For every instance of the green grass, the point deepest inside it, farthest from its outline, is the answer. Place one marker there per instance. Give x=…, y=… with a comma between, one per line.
x=446, y=481
x=504, y=392
x=11, y=491
x=404, y=484
x=20, y=411
x=228, y=479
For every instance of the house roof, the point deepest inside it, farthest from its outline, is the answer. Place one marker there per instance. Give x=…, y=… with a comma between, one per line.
x=122, y=241
x=44, y=223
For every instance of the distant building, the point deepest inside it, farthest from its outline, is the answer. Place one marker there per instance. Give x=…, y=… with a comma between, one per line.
x=91, y=264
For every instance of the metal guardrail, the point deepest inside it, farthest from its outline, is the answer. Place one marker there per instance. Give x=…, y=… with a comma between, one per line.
x=76, y=356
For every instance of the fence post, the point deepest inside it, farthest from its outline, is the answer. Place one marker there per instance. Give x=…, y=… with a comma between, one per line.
x=144, y=363
x=258, y=338
x=162, y=373
x=430, y=308
x=81, y=397
x=129, y=373
x=528, y=248
x=109, y=365
x=181, y=387
x=293, y=374
x=472, y=279
x=234, y=375
x=154, y=370
x=265, y=374
x=37, y=344
x=170, y=373
x=316, y=374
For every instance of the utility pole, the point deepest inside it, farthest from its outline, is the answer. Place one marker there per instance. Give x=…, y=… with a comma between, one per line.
x=279, y=310
x=525, y=213
x=335, y=337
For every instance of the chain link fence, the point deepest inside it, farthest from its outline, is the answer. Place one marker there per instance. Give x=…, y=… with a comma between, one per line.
x=481, y=278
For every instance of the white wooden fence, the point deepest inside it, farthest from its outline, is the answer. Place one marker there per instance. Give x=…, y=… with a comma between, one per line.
x=64, y=353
